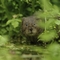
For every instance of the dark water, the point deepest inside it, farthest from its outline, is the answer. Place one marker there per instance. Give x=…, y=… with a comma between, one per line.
x=7, y=54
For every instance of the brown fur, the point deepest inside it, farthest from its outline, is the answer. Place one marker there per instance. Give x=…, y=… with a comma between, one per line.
x=30, y=28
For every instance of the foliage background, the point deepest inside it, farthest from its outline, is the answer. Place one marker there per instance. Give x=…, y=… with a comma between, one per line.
x=11, y=13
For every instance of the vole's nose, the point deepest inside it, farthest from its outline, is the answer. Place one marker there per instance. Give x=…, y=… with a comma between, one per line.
x=30, y=29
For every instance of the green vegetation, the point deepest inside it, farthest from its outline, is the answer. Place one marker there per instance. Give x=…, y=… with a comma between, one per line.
x=13, y=43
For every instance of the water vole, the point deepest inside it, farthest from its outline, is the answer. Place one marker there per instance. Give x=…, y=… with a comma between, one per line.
x=30, y=28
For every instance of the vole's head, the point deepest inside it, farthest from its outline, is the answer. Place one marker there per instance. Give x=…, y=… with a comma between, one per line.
x=29, y=26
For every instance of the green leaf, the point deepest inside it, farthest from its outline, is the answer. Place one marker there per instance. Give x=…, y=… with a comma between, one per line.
x=57, y=22
x=15, y=24
x=48, y=36
x=3, y=40
x=8, y=22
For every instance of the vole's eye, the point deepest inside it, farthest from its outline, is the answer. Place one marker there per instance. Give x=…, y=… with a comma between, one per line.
x=34, y=24
x=26, y=24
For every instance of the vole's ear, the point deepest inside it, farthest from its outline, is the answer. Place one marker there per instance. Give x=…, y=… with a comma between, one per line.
x=38, y=19
x=24, y=18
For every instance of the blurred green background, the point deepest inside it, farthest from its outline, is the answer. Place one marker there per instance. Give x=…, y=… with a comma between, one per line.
x=12, y=42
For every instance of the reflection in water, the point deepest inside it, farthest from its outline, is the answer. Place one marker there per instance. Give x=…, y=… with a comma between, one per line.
x=7, y=54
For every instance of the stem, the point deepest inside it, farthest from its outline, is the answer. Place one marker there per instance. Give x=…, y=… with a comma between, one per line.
x=45, y=24
x=33, y=5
